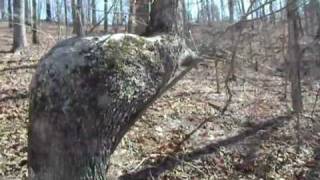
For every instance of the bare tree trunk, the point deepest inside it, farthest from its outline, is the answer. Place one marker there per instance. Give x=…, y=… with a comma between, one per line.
x=242, y=6
x=79, y=19
x=48, y=11
x=263, y=11
x=74, y=15
x=27, y=12
x=161, y=17
x=294, y=54
x=231, y=12
x=19, y=27
x=222, y=9
x=94, y=12
x=66, y=17
x=141, y=17
x=58, y=15
x=131, y=16
x=208, y=12
x=115, y=19
x=185, y=19
x=106, y=16
x=121, y=13
x=272, y=16
x=2, y=11
x=10, y=17
x=35, y=38
x=89, y=13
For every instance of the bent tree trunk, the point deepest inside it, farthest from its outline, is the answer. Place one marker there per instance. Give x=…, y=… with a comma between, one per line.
x=86, y=94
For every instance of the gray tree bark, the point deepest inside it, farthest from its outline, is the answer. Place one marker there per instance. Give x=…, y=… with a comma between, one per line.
x=272, y=16
x=48, y=10
x=208, y=12
x=222, y=9
x=19, y=28
x=106, y=16
x=294, y=54
x=66, y=23
x=141, y=19
x=116, y=17
x=35, y=38
x=74, y=15
x=242, y=7
x=27, y=12
x=10, y=17
x=131, y=16
x=87, y=92
x=231, y=10
x=79, y=19
x=161, y=17
x=2, y=9
x=94, y=12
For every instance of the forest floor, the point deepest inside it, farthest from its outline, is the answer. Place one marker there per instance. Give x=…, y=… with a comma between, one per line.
x=256, y=138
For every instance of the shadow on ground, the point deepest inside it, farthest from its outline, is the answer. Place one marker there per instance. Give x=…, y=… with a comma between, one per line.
x=170, y=162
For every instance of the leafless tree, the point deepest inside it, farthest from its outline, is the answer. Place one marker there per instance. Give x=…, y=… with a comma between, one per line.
x=66, y=16
x=106, y=16
x=2, y=9
x=19, y=27
x=272, y=16
x=294, y=55
x=208, y=12
x=28, y=12
x=222, y=9
x=131, y=16
x=141, y=16
x=35, y=38
x=74, y=15
x=79, y=19
x=116, y=16
x=10, y=17
x=94, y=12
x=231, y=10
x=48, y=10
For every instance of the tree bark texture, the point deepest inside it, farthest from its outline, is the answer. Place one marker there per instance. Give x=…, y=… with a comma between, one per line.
x=131, y=20
x=19, y=28
x=166, y=16
x=85, y=96
x=74, y=15
x=79, y=19
x=294, y=54
x=10, y=17
x=106, y=15
x=48, y=10
x=231, y=10
x=87, y=92
x=35, y=38
x=2, y=11
x=94, y=12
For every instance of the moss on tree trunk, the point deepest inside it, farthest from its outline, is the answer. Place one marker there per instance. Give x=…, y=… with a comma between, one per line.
x=85, y=96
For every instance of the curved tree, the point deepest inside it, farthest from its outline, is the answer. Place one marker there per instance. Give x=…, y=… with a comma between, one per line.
x=87, y=92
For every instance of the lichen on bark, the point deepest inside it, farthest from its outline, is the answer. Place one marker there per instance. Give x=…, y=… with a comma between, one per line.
x=87, y=93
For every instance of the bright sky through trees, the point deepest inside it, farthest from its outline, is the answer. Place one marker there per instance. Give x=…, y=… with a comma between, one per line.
x=192, y=5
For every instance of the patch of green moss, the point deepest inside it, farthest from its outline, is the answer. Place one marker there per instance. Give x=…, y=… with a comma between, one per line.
x=118, y=53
